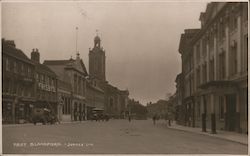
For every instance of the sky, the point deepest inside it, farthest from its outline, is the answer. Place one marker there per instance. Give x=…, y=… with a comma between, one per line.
x=140, y=39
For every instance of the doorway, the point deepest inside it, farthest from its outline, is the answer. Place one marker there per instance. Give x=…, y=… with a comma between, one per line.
x=231, y=112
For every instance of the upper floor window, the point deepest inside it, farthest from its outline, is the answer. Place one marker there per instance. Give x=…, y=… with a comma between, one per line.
x=222, y=65
x=7, y=65
x=233, y=59
x=198, y=52
x=222, y=30
x=29, y=71
x=37, y=77
x=42, y=78
x=211, y=70
x=15, y=66
x=211, y=43
x=22, y=68
x=204, y=47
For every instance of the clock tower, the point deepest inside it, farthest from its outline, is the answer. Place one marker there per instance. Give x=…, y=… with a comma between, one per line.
x=97, y=61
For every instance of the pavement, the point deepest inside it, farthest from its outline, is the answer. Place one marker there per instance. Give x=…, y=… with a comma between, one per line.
x=230, y=136
x=112, y=137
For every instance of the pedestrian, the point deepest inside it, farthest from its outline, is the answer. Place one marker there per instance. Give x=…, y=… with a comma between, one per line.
x=129, y=118
x=154, y=119
x=169, y=119
x=80, y=116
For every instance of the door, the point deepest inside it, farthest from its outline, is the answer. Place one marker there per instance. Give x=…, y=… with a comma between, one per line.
x=231, y=112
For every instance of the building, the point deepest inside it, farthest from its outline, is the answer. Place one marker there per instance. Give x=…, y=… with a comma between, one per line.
x=95, y=98
x=45, y=85
x=180, y=109
x=18, y=90
x=136, y=110
x=72, y=77
x=115, y=100
x=159, y=108
x=215, y=69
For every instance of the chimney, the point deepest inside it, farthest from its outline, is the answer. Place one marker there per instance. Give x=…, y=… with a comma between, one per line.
x=35, y=55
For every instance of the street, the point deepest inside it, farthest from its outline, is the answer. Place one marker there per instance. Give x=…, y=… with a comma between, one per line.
x=112, y=137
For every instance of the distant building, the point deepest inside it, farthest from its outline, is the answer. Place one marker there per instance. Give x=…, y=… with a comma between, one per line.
x=159, y=108
x=215, y=69
x=18, y=90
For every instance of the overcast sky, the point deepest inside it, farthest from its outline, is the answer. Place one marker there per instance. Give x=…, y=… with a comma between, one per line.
x=141, y=39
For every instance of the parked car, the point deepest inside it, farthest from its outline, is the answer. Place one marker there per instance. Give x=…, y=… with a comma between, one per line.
x=43, y=115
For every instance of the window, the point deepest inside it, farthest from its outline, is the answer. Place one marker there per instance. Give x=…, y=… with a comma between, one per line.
x=204, y=47
x=222, y=30
x=15, y=67
x=198, y=76
x=29, y=71
x=245, y=53
x=198, y=109
x=222, y=65
x=111, y=102
x=42, y=78
x=211, y=43
x=37, y=77
x=22, y=69
x=211, y=70
x=233, y=59
x=204, y=73
x=221, y=107
x=7, y=65
x=198, y=52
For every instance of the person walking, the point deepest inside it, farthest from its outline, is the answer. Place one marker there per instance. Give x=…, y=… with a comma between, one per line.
x=154, y=119
x=129, y=118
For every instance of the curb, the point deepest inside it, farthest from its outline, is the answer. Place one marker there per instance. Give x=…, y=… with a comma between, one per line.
x=214, y=135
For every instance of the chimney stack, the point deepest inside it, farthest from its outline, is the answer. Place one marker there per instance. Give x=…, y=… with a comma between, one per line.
x=35, y=55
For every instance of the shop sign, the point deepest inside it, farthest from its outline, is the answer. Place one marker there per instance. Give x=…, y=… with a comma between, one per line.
x=46, y=87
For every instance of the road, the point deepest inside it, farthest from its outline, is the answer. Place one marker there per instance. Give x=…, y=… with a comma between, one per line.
x=112, y=137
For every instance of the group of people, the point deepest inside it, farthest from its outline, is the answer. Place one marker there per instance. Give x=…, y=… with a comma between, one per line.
x=79, y=115
x=168, y=118
x=100, y=117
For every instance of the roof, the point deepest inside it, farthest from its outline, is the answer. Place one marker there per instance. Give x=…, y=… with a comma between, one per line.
x=70, y=63
x=44, y=68
x=186, y=38
x=8, y=48
x=56, y=62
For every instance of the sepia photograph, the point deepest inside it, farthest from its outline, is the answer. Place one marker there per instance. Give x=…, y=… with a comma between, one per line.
x=124, y=77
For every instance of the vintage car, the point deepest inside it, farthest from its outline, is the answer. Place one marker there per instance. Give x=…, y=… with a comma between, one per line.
x=43, y=115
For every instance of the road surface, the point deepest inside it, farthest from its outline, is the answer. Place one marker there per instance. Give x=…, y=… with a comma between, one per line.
x=112, y=137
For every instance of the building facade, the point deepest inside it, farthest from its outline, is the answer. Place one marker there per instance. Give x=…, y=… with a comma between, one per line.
x=216, y=78
x=95, y=98
x=18, y=90
x=74, y=72
x=45, y=85
x=115, y=100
